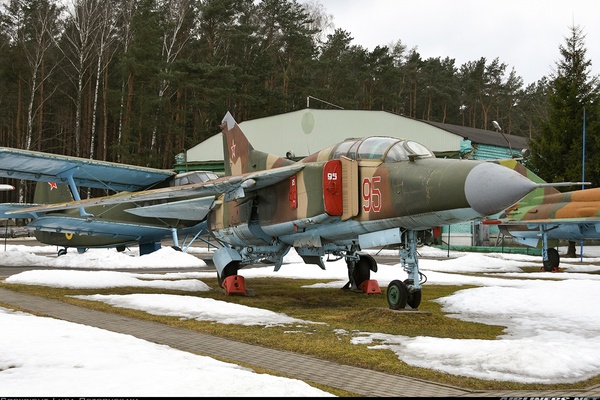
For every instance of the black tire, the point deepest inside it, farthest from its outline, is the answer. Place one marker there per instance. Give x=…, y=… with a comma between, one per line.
x=367, y=258
x=414, y=297
x=176, y=248
x=362, y=269
x=120, y=248
x=62, y=252
x=397, y=295
x=553, y=261
x=229, y=270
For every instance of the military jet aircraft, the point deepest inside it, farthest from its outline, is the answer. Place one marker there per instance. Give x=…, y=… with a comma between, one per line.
x=546, y=215
x=60, y=179
x=359, y=194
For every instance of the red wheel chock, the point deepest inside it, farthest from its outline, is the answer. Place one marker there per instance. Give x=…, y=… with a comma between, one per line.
x=234, y=284
x=370, y=286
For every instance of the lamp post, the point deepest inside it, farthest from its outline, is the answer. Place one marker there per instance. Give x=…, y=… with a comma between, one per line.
x=582, y=177
x=499, y=129
x=583, y=154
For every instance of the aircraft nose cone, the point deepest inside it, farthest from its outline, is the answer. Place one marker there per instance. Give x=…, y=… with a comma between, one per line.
x=491, y=188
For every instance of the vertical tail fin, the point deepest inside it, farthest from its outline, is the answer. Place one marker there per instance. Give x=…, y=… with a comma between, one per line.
x=239, y=155
x=534, y=196
x=50, y=193
x=523, y=170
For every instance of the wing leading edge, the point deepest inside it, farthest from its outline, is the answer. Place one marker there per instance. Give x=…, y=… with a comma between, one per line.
x=14, y=210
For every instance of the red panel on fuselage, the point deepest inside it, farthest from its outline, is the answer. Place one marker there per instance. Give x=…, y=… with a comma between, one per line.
x=293, y=195
x=332, y=187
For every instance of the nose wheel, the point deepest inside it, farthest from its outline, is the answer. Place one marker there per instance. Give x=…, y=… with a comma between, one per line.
x=414, y=296
x=397, y=295
x=400, y=294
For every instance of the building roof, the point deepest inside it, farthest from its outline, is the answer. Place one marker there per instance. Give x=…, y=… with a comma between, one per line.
x=306, y=131
x=484, y=136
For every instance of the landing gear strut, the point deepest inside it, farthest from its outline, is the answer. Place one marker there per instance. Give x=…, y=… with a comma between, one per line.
x=400, y=294
x=550, y=257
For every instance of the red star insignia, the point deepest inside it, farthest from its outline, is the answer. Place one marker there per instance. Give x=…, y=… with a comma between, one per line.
x=52, y=185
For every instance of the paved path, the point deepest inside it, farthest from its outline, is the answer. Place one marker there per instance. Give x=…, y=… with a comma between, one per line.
x=362, y=382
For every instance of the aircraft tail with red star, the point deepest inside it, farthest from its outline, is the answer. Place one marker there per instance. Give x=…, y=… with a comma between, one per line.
x=51, y=192
x=45, y=193
x=239, y=155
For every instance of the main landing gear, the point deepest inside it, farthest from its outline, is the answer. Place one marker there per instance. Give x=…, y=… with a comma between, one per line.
x=550, y=256
x=399, y=293
x=407, y=292
x=81, y=250
x=227, y=274
x=551, y=261
x=360, y=266
x=63, y=251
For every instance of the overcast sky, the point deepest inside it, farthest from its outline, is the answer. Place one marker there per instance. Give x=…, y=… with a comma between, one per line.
x=551, y=320
x=524, y=34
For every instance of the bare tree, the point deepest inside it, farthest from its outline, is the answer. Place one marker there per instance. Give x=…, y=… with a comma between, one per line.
x=83, y=29
x=320, y=21
x=175, y=36
x=34, y=29
x=127, y=11
x=105, y=37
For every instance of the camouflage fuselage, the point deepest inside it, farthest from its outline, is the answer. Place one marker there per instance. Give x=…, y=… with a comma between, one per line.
x=573, y=215
x=335, y=198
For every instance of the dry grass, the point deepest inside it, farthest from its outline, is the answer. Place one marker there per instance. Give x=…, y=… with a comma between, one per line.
x=341, y=311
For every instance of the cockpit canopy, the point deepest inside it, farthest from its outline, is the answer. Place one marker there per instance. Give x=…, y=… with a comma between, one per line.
x=188, y=178
x=382, y=148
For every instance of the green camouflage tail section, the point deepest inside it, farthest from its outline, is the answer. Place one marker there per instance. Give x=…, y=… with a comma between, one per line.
x=549, y=204
x=239, y=155
x=51, y=193
x=520, y=168
x=537, y=196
